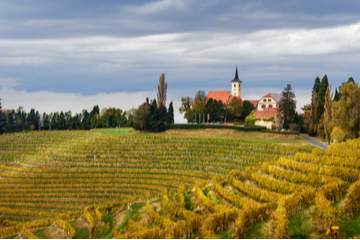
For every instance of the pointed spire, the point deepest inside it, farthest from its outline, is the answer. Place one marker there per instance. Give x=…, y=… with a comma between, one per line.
x=236, y=79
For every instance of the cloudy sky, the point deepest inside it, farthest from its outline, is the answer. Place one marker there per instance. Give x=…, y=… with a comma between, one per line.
x=71, y=55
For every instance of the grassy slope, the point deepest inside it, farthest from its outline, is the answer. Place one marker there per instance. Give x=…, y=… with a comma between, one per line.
x=291, y=140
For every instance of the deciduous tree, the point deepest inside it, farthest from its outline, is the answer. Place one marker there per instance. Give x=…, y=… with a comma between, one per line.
x=162, y=88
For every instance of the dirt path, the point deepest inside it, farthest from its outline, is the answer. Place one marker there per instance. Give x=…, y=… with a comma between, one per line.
x=314, y=142
x=55, y=232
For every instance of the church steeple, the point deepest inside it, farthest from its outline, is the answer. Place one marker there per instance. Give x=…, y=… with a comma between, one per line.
x=236, y=85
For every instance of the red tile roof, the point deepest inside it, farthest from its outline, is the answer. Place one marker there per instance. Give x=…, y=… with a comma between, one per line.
x=254, y=102
x=218, y=95
x=265, y=114
x=276, y=96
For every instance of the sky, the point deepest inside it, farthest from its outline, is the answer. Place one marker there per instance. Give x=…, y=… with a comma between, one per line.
x=65, y=55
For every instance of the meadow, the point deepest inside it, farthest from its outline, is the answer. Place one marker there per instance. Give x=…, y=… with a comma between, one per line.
x=119, y=183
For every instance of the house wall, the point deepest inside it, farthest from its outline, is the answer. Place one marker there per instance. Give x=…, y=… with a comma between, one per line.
x=267, y=101
x=262, y=123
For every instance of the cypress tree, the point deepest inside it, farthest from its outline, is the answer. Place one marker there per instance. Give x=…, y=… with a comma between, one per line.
x=316, y=87
x=336, y=96
x=171, y=113
x=321, y=96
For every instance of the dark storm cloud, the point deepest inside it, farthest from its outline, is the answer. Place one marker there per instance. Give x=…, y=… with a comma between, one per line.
x=88, y=47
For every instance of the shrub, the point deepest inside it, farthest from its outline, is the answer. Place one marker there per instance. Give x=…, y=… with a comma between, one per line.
x=338, y=135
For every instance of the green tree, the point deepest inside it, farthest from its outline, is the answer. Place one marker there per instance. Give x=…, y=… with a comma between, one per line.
x=248, y=107
x=321, y=97
x=85, y=120
x=287, y=104
x=215, y=109
x=186, y=103
x=336, y=96
x=141, y=116
x=170, y=118
x=346, y=111
x=316, y=88
x=236, y=107
x=250, y=119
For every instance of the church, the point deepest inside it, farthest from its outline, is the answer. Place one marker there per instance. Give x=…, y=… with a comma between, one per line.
x=266, y=111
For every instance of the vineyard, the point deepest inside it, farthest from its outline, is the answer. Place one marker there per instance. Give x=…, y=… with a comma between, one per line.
x=82, y=184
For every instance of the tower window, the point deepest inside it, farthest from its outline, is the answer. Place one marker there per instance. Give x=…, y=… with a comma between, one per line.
x=234, y=94
x=234, y=85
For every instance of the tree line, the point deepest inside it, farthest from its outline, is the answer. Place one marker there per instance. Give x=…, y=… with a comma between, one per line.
x=19, y=120
x=333, y=115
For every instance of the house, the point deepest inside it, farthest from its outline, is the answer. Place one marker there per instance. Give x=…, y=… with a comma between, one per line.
x=270, y=100
x=271, y=118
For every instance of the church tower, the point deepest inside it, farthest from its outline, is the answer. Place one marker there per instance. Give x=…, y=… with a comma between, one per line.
x=236, y=85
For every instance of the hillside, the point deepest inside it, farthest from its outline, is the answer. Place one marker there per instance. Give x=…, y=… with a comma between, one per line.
x=81, y=184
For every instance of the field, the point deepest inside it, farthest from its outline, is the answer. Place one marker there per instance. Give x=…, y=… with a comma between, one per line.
x=117, y=183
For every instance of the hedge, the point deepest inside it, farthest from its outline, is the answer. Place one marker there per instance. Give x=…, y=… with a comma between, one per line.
x=278, y=132
x=203, y=126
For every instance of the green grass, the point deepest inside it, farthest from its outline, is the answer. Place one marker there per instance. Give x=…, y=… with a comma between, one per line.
x=225, y=235
x=104, y=232
x=349, y=228
x=297, y=229
x=129, y=214
x=82, y=233
x=40, y=233
x=254, y=232
x=115, y=131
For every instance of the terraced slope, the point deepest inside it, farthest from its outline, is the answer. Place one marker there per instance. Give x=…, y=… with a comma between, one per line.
x=99, y=185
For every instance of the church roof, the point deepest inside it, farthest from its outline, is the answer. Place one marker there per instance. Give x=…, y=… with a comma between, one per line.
x=236, y=79
x=218, y=95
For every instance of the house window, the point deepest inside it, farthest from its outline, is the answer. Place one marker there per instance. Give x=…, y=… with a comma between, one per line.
x=269, y=100
x=264, y=100
x=262, y=106
x=277, y=115
x=280, y=121
x=270, y=106
x=274, y=122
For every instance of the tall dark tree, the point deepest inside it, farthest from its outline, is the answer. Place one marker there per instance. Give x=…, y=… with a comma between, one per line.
x=45, y=121
x=85, y=120
x=321, y=97
x=316, y=87
x=287, y=104
x=170, y=118
x=215, y=109
x=336, y=96
x=248, y=107
x=351, y=80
